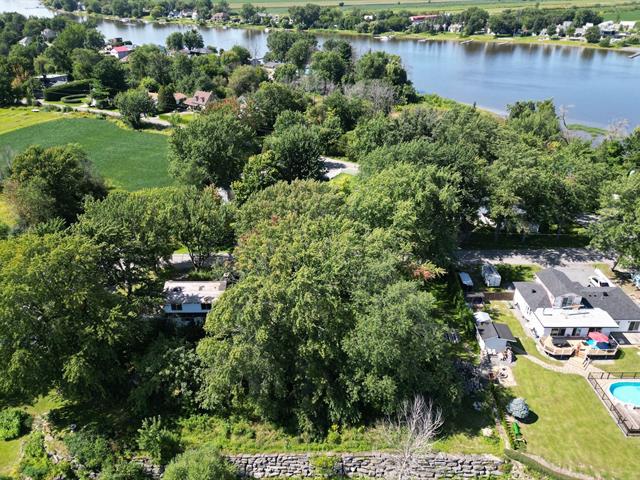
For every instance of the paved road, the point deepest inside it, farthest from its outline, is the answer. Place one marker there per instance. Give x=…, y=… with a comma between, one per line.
x=111, y=113
x=544, y=257
x=335, y=167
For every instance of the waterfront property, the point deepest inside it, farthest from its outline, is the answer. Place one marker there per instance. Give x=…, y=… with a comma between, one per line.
x=570, y=315
x=191, y=301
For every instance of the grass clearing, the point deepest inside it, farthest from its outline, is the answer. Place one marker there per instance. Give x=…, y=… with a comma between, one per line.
x=128, y=159
x=16, y=118
x=10, y=451
x=593, y=131
x=571, y=427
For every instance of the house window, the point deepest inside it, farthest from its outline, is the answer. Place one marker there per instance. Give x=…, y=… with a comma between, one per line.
x=634, y=326
x=576, y=332
x=557, y=332
x=176, y=307
x=567, y=302
x=205, y=306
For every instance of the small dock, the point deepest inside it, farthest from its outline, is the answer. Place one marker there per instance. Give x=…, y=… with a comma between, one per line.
x=465, y=42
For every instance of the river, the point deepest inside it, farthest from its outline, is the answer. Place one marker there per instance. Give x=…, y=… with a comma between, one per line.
x=596, y=87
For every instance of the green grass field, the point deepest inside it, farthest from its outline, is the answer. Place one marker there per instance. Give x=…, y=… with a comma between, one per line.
x=127, y=159
x=16, y=118
x=573, y=429
x=443, y=5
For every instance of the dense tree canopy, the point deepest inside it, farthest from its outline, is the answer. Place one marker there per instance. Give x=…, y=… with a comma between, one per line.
x=44, y=184
x=306, y=280
x=211, y=150
x=60, y=325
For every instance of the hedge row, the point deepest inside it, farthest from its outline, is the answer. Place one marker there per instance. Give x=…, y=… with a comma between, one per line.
x=76, y=98
x=55, y=94
x=533, y=465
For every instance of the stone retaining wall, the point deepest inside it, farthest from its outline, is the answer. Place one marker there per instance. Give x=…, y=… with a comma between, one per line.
x=371, y=465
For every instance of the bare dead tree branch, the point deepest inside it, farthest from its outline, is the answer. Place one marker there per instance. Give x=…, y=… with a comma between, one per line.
x=412, y=433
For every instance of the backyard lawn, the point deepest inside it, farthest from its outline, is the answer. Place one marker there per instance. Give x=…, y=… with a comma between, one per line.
x=127, y=159
x=628, y=361
x=573, y=429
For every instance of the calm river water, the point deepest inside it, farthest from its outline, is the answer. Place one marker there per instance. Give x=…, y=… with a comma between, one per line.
x=596, y=86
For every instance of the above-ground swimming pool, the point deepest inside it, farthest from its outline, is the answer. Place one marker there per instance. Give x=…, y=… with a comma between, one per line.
x=626, y=392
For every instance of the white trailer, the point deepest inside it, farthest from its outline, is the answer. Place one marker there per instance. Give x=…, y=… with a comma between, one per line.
x=490, y=275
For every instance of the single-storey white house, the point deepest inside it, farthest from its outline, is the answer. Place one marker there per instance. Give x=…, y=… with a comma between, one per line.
x=191, y=300
x=559, y=306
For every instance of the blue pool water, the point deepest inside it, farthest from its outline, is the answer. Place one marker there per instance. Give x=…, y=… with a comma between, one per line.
x=627, y=392
x=601, y=346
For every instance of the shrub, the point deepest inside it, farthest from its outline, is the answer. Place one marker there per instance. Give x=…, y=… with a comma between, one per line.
x=159, y=442
x=203, y=463
x=518, y=408
x=55, y=94
x=91, y=450
x=35, y=463
x=74, y=99
x=13, y=423
x=324, y=466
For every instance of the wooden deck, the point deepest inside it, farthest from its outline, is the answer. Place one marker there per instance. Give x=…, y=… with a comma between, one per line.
x=577, y=347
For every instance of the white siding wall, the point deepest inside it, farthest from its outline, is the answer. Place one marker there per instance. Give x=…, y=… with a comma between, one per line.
x=495, y=345
x=186, y=308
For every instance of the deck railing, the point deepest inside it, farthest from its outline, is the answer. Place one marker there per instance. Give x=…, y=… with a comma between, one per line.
x=619, y=416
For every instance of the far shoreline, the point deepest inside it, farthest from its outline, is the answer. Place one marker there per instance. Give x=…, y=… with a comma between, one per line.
x=444, y=37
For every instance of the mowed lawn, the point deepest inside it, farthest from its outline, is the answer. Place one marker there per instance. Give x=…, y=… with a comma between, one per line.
x=17, y=118
x=125, y=158
x=573, y=429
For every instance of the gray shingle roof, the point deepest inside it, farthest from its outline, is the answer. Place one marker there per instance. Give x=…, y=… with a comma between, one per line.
x=612, y=300
x=534, y=294
x=487, y=330
x=495, y=330
x=557, y=282
x=504, y=332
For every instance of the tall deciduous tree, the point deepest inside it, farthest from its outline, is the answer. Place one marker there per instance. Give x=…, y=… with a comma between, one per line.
x=59, y=326
x=133, y=231
x=420, y=204
x=276, y=341
x=617, y=231
x=133, y=104
x=211, y=150
x=297, y=152
x=202, y=223
x=45, y=183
